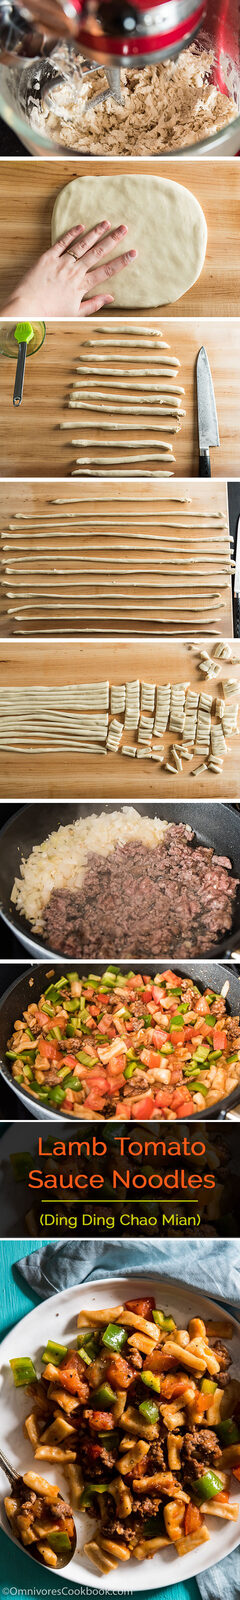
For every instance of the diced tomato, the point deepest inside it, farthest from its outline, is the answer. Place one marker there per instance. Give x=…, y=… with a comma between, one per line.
x=171, y=977
x=163, y=1097
x=101, y=1421
x=142, y=1308
x=201, y=1005
x=177, y=1098
x=192, y=1519
x=174, y=1385
x=219, y=1039
x=103, y=1026
x=186, y=1108
x=98, y=1080
x=42, y=1019
x=94, y=1101
x=151, y=1058
x=203, y=1402
x=72, y=1375
x=160, y=1035
x=51, y=1051
x=124, y=1110
x=70, y=1061
x=236, y=1473
x=178, y=1036
x=142, y=1108
x=119, y=1373
x=160, y=1361
x=202, y=1029
x=148, y=994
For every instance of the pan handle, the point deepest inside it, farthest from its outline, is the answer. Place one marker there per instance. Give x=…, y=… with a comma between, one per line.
x=228, y=1116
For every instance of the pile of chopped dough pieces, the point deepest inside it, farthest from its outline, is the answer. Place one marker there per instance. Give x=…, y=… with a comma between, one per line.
x=164, y=108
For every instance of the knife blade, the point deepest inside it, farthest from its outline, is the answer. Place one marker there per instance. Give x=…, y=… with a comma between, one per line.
x=208, y=433
x=237, y=585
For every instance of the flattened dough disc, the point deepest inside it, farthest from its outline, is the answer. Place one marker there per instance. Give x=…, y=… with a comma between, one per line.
x=165, y=223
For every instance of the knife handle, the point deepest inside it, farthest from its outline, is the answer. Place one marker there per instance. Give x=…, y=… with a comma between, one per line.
x=204, y=464
x=237, y=616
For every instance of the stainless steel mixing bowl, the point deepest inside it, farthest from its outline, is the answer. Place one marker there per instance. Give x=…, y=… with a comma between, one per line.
x=220, y=34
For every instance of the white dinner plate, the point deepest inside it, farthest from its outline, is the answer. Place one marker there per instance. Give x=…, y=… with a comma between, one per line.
x=56, y=1318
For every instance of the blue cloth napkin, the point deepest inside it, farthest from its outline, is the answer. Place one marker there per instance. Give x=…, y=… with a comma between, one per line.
x=210, y=1265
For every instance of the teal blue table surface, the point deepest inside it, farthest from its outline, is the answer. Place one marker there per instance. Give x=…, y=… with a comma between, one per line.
x=18, y=1574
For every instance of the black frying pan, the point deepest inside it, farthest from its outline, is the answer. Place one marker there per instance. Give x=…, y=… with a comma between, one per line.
x=17, y=998
x=214, y=824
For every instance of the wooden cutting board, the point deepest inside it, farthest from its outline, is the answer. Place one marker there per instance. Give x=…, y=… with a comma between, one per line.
x=28, y=191
x=31, y=441
x=50, y=776
x=138, y=576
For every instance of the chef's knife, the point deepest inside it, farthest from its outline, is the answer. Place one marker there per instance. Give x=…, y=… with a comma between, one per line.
x=207, y=415
x=237, y=585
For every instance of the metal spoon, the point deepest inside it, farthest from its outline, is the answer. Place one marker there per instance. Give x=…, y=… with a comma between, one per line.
x=16, y=1481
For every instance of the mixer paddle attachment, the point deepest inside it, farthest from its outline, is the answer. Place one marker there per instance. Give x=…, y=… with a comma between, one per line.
x=62, y=67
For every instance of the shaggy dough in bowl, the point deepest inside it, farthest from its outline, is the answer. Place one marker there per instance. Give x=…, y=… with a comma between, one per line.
x=165, y=224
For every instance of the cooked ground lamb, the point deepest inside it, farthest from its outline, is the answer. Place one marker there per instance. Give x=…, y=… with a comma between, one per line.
x=177, y=896
x=201, y=1451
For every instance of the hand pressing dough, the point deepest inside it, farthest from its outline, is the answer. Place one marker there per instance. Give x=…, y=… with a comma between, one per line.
x=165, y=224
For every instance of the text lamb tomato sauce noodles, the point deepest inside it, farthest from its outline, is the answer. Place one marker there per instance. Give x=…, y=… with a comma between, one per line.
x=126, y=1044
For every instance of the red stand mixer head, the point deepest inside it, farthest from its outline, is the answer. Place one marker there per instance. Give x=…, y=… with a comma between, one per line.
x=134, y=32
x=114, y=33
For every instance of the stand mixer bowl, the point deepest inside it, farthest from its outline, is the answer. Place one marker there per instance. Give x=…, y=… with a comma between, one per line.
x=137, y=43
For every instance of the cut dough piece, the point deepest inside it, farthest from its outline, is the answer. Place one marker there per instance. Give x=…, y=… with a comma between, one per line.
x=165, y=224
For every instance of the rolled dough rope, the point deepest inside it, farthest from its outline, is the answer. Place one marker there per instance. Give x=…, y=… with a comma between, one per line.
x=129, y=444
x=194, y=520
x=172, y=427
x=23, y=516
x=164, y=408
x=130, y=358
x=123, y=410
x=125, y=379
x=165, y=224
x=132, y=473
x=163, y=454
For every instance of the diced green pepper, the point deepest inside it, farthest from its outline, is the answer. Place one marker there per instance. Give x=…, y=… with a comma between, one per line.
x=88, y=1341
x=114, y=1337
x=85, y=1060
x=228, y=1432
x=202, y=1052
x=207, y=1486
x=58, y=1094
x=152, y=1380
x=130, y=1069
x=104, y=1396
x=54, y=1352
x=84, y=1356
x=23, y=1370
x=91, y=1489
x=149, y=1410
x=208, y=1386
x=198, y=1087
x=163, y=1322
x=52, y=993
x=59, y=1541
